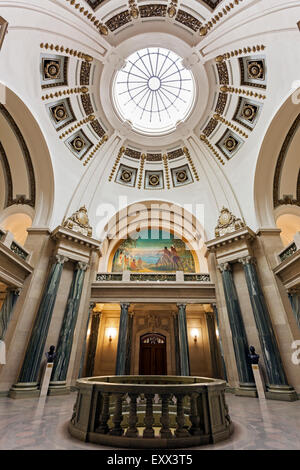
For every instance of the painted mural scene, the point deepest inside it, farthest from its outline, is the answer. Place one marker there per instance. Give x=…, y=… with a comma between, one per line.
x=153, y=251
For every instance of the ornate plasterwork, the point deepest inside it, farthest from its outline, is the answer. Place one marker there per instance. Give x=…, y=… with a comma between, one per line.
x=79, y=222
x=228, y=223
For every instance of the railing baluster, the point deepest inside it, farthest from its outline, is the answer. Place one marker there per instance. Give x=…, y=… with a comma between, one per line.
x=180, y=430
x=117, y=417
x=104, y=416
x=165, y=431
x=149, y=418
x=132, y=430
x=195, y=429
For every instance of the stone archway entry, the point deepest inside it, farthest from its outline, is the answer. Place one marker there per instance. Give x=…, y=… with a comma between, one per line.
x=153, y=355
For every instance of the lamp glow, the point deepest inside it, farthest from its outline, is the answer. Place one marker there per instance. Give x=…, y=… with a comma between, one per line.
x=111, y=333
x=195, y=334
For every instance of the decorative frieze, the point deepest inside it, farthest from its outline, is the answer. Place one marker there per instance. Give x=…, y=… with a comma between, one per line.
x=240, y=91
x=78, y=124
x=239, y=52
x=188, y=20
x=85, y=71
x=191, y=163
x=149, y=11
x=219, y=118
x=87, y=104
x=119, y=156
x=141, y=172
x=175, y=154
x=132, y=153
x=205, y=140
x=95, y=149
x=67, y=51
x=69, y=91
x=99, y=26
x=97, y=127
x=119, y=20
x=218, y=16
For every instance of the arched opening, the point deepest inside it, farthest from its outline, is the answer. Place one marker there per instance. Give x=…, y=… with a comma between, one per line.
x=17, y=224
x=289, y=225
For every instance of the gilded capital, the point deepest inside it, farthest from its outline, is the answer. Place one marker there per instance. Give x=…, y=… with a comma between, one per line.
x=247, y=260
x=224, y=267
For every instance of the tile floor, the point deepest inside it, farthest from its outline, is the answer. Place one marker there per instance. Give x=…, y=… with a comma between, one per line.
x=41, y=424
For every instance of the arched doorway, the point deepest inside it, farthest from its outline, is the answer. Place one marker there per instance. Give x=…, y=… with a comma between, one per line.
x=153, y=355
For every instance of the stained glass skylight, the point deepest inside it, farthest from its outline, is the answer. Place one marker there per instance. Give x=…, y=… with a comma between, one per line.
x=153, y=90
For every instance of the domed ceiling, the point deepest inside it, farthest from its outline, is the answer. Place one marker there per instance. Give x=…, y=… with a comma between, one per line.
x=156, y=96
x=164, y=95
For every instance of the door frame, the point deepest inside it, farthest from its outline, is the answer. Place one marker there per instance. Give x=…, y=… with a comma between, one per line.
x=135, y=365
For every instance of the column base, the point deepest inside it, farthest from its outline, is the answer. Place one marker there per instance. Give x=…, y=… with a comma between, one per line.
x=24, y=390
x=246, y=390
x=281, y=392
x=58, y=388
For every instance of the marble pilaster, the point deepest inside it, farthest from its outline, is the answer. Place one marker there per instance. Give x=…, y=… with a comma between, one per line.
x=239, y=337
x=278, y=387
x=183, y=341
x=29, y=375
x=122, y=340
x=65, y=340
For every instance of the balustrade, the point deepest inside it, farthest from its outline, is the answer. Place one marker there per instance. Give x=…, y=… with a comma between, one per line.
x=150, y=411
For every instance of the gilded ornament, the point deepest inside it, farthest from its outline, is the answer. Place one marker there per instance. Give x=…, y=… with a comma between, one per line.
x=79, y=222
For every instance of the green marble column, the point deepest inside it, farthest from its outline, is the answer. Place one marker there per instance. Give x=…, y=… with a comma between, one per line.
x=65, y=341
x=239, y=338
x=7, y=308
x=183, y=341
x=122, y=340
x=29, y=375
x=92, y=346
x=277, y=387
x=214, y=306
x=176, y=337
x=214, y=346
x=92, y=305
x=294, y=297
x=129, y=345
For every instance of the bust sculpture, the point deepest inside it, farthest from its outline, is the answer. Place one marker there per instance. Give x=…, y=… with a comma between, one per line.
x=50, y=355
x=254, y=358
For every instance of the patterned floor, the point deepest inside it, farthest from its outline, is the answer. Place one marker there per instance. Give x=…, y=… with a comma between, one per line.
x=32, y=424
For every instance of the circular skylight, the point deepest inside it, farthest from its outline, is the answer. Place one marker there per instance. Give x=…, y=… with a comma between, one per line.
x=153, y=90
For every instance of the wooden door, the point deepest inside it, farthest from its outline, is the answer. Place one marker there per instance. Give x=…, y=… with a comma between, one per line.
x=153, y=356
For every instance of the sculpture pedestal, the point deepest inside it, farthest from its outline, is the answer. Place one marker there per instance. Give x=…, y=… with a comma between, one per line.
x=46, y=379
x=259, y=381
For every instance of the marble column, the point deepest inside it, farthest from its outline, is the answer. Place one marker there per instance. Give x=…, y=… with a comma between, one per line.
x=7, y=308
x=29, y=375
x=277, y=387
x=92, y=305
x=294, y=297
x=65, y=340
x=183, y=341
x=129, y=345
x=214, y=345
x=122, y=340
x=92, y=346
x=214, y=306
x=176, y=340
x=240, y=343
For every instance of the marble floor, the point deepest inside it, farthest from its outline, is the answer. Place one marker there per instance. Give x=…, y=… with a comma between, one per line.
x=41, y=424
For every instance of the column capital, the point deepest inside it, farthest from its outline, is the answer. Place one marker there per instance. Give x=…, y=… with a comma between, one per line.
x=224, y=267
x=247, y=260
x=60, y=259
x=14, y=290
x=125, y=305
x=82, y=265
x=181, y=305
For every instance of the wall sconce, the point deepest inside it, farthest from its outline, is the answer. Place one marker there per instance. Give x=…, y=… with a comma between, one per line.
x=111, y=333
x=195, y=334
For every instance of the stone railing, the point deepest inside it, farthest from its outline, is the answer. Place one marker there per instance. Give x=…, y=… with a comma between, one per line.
x=288, y=251
x=128, y=276
x=7, y=239
x=150, y=411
